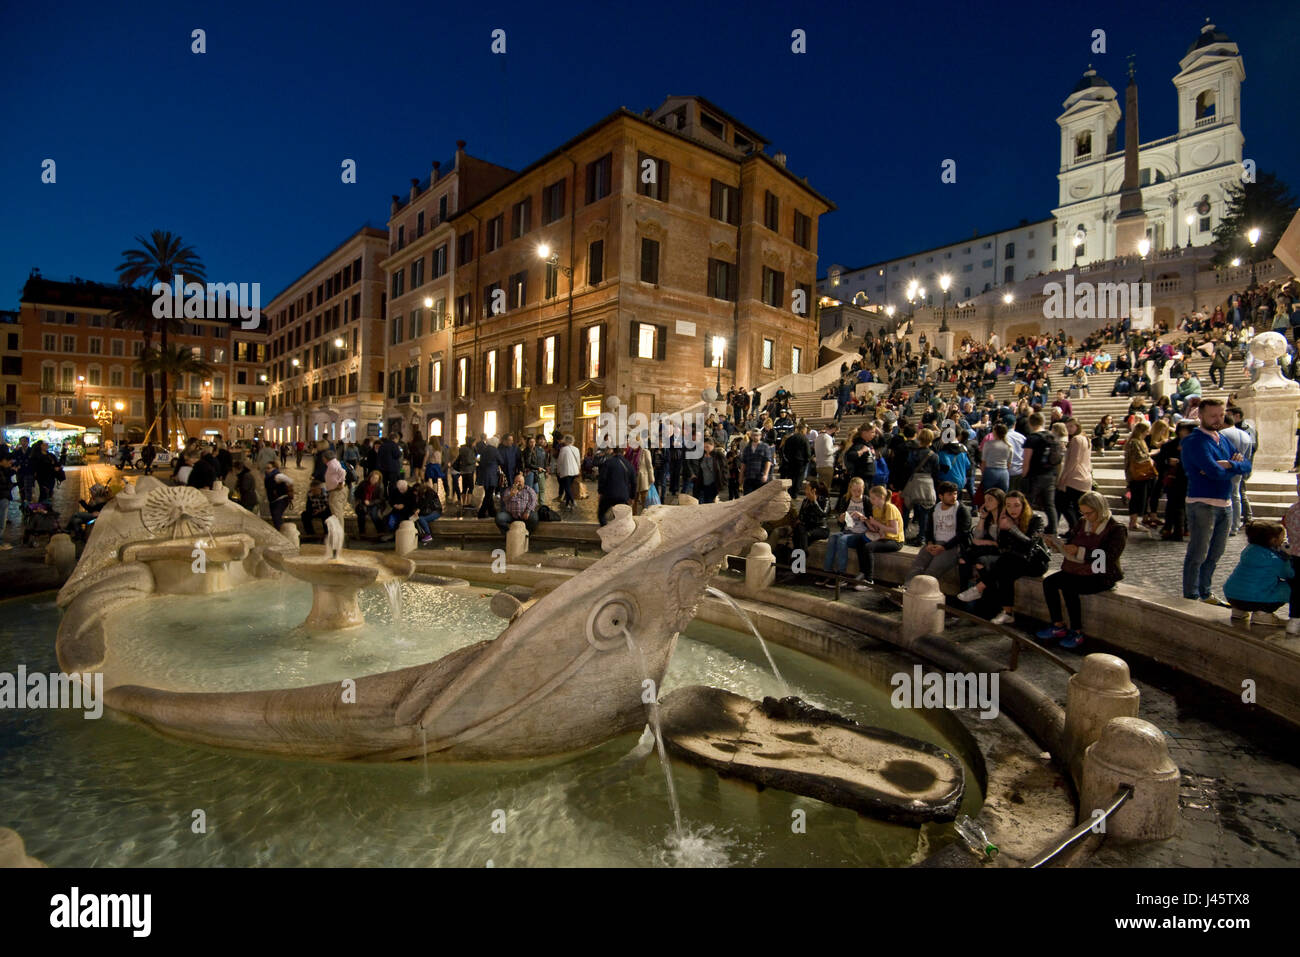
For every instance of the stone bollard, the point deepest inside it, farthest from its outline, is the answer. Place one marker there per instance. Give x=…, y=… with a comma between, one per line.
x=290, y=531
x=12, y=851
x=404, y=541
x=62, y=554
x=516, y=541
x=923, y=607
x=1100, y=691
x=760, y=567
x=1132, y=752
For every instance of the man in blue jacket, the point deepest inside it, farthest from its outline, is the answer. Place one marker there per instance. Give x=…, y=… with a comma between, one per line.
x=1209, y=462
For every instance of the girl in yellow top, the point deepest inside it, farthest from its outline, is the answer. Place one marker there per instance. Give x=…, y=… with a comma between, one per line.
x=867, y=531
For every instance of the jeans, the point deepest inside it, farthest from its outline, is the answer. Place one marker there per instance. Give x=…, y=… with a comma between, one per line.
x=1067, y=504
x=1219, y=380
x=277, y=511
x=308, y=521
x=996, y=478
x=422, y=522
x=566, y=489
x=1208, y=525
x=1070, y=586
x=1042, y=496
x=708, y=494
x=837, y=552
x=505, y=519
x=1237, y=501
x=936, y=565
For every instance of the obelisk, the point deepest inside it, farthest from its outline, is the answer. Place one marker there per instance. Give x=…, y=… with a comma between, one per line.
x=1131, y=223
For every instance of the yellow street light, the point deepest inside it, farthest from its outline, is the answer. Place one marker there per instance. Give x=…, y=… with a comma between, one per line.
x=428, y=302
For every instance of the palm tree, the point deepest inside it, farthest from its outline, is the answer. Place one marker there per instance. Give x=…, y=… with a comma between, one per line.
x=136, y=312
x=160, y=258
x=176, y=361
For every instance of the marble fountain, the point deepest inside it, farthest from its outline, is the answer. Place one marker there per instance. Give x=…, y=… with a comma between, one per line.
x=565, y=677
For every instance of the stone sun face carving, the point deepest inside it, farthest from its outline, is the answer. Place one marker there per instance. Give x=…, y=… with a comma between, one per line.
x=176, y=512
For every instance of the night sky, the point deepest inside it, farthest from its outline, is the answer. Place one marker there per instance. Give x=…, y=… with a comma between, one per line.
x=239, y=149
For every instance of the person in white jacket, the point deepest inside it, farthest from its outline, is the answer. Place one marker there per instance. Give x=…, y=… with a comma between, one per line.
x=824, y=454
x=568, y=465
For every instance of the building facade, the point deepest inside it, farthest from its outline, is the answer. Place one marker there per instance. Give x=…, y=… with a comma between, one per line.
x=421, y=283
x=325, y=372
x=11, y=366
x=651, y=256
x=79, y=359
x=1183, y=177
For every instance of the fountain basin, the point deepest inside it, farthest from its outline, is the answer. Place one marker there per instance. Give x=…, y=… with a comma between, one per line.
x=336, y=581
x=198, y=565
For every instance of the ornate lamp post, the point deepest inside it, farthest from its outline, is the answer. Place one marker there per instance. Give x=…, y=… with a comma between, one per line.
x=1253, y=236
x=1191, y=218
x=944, y=282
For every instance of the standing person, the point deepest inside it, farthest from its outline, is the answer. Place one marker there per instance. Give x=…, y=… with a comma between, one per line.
x=147, y=454
x=950, y=531
x=488, y=474
x=1016, y=440
x=709, y=472
x=1091, y=565
x=462, y=475
x=1219, y=364
x=860, y=457
x=390, y=462
x=284, y=454
x=1139, y=472
x=919, y=494
x=568, y=467
x=1210, y=462
x=616, y=484
x=45, y=471
x=1261, y=582
x=1042, y=460
x=299, y=448
x=756, y=462
x=642, y=462
x=1174, y=481
x=995, y=460
x=279, y=493
x=1076, y=473
x=418, y=448
x=1241, y=441
x=796, y=452
x=824, y=455
x=510, y=458
x=246, y=486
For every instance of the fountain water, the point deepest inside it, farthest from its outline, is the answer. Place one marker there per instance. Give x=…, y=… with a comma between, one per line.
x=716, y=593
x=657, y=725
x=394, y=590
x=333, y=538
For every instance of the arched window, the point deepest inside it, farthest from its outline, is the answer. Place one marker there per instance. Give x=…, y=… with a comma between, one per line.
x=1205, y=107
x=1083, y=145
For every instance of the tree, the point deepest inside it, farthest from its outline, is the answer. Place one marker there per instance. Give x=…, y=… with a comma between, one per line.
x=176, y=361
x=136, y=312
x=1267, y=205
x=160, y=258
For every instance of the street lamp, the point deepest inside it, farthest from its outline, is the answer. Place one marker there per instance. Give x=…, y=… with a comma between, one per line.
x=1191, y=218
x=1079, y=238
x=294, y=363
x=944, y=282
x=552, y=259
x=428, y=302
x=911, y=299
x=719, y=350
x=1253, y=236
x=1008, y=298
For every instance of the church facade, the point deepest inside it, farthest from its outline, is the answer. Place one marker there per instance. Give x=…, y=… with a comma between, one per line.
x=1183, y=177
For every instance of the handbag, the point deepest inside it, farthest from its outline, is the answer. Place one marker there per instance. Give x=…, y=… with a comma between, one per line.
x=1144, y=470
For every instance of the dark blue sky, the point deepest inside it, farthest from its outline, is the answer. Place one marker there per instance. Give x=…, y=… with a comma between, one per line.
x=239, y=149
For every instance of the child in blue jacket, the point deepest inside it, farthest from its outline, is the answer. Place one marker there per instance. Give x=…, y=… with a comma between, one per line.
x=1260, y=583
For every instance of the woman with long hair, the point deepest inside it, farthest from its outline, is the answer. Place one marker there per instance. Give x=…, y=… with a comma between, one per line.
x=984, y=535
x=1020, y=552
x=1140, y=473
x=995, y=460
x=1091, y=565
x=1076, y=471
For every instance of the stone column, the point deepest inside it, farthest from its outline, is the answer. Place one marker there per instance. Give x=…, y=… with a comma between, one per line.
x=516, y=541
x=1132, y=752
x=923, y=608
x=943, y=341
x=1100, y=691
x=404, y=541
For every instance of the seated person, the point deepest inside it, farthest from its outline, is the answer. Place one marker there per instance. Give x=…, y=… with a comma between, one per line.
x=947, y=533
x=369, y=502
x=428, y=508
x=1122, y=385
x=316, y=506
x=89, y=511
x=518, y=504
x=403, y=507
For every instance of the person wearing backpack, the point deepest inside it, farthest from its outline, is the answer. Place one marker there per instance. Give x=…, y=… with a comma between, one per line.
x=955, y=463
x=919, y=493
x=1042, y=462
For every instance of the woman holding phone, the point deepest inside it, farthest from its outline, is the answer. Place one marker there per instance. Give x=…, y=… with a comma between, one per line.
x=1091, y=565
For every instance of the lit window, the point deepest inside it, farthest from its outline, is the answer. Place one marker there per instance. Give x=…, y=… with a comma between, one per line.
x=646, y=341
x=490, y=422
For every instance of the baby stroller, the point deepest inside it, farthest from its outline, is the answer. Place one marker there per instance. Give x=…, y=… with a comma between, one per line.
x=39, y=518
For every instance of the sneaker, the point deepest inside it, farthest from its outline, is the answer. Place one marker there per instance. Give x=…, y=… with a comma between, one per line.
x=1003, y=618
x=1215, y=600
x=1293, y=626
x=1238, y=614
x=1072, y=640
x=1052, y=633
x=1267, y=618
x=970, y=594
x=426, y=539
x=863, y=584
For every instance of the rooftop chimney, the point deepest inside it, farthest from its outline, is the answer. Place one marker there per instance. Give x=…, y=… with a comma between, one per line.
x=415, y=188
x=395, y=205
x=780, y=159
x=437, y=166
